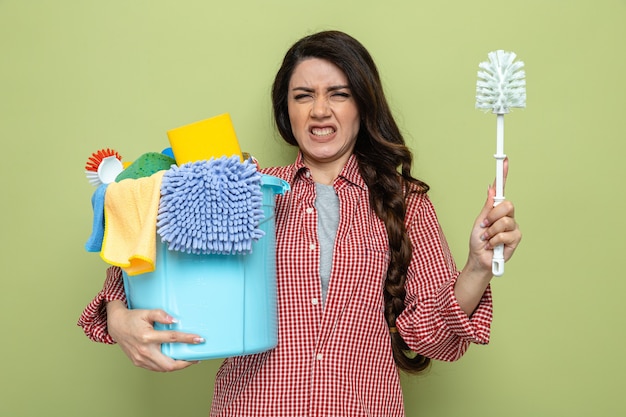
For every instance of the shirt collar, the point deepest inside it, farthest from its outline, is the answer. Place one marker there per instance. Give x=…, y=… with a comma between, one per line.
x=349, y=173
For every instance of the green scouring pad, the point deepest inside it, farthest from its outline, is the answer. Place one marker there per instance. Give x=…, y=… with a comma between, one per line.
x=146, y=165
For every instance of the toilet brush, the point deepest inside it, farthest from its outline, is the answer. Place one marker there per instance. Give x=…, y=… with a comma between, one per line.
x=501, y=85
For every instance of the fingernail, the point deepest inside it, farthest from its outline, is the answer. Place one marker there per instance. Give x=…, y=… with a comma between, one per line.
x=484, y=223
x=483, y=237
x=198, y=340
x=173, y=320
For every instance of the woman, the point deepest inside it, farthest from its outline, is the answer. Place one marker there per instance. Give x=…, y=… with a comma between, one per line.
x=366, y=282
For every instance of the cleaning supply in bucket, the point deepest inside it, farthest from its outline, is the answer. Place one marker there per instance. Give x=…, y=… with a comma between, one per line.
x=94, y=243
x=211, y=207
x=103, y=166
x=501, y=85
x=130, y=212
x=146, y=165
x=210, y=138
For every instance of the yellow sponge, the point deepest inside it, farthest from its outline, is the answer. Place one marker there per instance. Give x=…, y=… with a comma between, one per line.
x=199, y=141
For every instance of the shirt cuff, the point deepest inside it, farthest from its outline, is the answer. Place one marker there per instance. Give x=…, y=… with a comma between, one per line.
x=93, y=320
x=475, y=329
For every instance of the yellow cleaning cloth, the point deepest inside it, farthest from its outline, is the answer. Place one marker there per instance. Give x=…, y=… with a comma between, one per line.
x=130, y=211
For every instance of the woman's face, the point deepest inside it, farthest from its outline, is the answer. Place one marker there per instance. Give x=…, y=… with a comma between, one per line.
x=323, y=114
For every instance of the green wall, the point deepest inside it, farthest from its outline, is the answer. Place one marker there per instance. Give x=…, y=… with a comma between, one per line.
x=77, y=76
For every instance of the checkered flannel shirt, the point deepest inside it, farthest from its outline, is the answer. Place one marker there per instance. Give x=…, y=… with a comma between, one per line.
x=334, y=358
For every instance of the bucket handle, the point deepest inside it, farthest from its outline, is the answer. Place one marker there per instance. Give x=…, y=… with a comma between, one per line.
x=279, y=185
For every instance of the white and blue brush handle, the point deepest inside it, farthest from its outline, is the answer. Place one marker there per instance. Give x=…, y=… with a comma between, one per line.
x=497, y=263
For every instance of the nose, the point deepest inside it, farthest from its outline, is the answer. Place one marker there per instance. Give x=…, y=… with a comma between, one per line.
x=320, y=108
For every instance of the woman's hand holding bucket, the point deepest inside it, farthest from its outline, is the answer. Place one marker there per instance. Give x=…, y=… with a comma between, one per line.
x=134, y=331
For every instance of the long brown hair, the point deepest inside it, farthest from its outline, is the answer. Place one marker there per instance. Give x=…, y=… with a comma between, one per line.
x=383, y=158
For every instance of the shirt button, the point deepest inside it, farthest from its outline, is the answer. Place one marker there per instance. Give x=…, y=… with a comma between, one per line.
x=319, y=356
x=312, y=246
x=307, y=174
x=314, y=301
x=309, y=210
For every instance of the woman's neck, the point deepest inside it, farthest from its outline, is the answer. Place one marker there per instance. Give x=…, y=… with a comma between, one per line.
x=325, y=172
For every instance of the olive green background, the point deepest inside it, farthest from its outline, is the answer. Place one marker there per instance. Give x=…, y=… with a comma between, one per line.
x=77, y=76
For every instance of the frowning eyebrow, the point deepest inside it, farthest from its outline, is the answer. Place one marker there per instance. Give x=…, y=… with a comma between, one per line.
x=331, y=88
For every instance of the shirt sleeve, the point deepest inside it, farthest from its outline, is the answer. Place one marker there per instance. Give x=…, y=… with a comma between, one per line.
x=433, y=323
x=93, y=320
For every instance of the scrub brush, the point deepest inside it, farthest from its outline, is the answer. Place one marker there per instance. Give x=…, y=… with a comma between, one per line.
x=501, y=85
x=103, y=166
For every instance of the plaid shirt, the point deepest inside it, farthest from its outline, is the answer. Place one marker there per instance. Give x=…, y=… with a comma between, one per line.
x=335, y=359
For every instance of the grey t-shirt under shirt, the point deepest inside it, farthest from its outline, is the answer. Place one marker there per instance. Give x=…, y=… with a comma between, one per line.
x=327, y=205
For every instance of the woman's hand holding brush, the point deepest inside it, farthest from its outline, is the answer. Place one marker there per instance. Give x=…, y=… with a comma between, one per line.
x=493, y=226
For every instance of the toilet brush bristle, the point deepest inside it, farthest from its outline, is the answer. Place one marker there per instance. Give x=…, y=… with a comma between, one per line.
x=501, y=84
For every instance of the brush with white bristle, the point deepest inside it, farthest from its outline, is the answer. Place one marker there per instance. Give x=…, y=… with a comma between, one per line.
x=501, y=85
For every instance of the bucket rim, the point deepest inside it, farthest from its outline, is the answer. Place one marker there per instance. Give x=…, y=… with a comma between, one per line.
x=280, y=186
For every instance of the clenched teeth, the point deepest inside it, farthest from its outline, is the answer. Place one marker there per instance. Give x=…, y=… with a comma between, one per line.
x=323, y=131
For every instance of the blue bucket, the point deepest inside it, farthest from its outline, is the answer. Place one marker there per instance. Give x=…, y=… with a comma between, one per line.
x=229, y=300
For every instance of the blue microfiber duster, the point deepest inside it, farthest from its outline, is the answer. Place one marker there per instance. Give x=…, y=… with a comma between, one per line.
x=211, y=207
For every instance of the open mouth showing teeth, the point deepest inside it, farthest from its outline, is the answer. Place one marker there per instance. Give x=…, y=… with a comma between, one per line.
x=323, y=131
